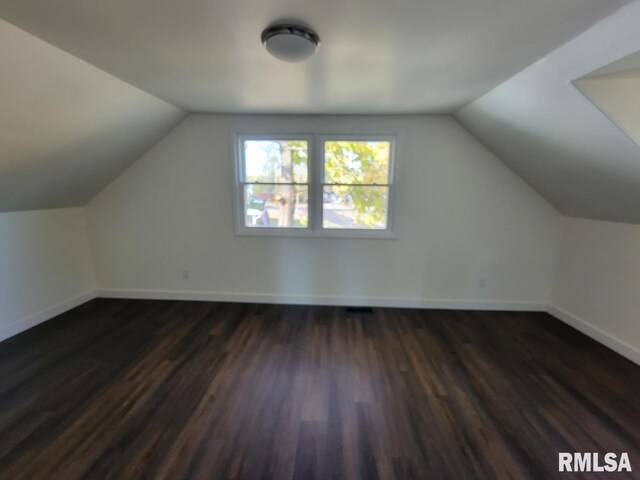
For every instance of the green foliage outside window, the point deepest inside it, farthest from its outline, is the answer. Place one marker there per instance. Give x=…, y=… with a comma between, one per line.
x=356, y=166
x=355, y=191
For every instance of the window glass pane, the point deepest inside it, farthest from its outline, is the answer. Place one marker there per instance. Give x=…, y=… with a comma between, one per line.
x=276, y=206
x=355, y=207
x=350, y=162
x=276, y=161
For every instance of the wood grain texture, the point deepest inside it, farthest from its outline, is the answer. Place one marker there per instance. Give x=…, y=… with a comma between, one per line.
x=131, y=389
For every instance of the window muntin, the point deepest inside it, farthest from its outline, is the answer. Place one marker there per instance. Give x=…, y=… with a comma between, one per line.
x=356, y=187
x=275, y=183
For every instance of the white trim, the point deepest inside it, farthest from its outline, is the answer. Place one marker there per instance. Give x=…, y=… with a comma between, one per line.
x=602, y=337
x=315, y=187
x=385, y=233
x=390, y=302
x=599, y=335
x=239, y=180
x=47, y=314
x=310, y=233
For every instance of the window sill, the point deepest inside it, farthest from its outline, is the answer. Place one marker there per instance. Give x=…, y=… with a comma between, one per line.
x=308, y=233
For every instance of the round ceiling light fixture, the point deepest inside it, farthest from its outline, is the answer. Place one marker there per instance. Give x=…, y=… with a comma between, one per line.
x=290, y=42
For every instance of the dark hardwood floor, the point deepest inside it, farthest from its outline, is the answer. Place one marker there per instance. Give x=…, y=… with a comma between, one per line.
x=123, y=389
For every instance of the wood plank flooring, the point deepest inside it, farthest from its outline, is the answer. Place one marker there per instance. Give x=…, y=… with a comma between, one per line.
x=131, y=389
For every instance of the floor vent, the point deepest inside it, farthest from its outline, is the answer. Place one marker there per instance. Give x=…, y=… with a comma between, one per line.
x=359, y=310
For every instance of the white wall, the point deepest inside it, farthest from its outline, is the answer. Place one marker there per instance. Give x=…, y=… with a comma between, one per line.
x=45, y=266
x=462, y=216
x=597, y=285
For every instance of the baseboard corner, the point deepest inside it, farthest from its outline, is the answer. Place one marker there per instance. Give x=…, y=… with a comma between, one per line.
x=47, y=314
x=614, y=343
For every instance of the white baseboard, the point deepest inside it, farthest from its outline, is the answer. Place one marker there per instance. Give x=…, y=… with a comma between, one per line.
x=47, y=314
x=583, y=326
x=600, y=336
x=325, y=300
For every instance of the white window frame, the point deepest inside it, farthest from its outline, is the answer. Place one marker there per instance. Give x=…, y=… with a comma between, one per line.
x=315, y=179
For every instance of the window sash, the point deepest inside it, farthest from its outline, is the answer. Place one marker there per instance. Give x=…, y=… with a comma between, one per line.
x=355, y=184
x=280, y=183
x=242, y=167
x=386, y=190
x=260, y=204
x=391, y=140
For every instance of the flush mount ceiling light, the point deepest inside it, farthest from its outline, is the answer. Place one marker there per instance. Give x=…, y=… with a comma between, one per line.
x=289, y=42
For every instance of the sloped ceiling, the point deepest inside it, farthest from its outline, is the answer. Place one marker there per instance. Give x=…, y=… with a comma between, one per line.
x=377, y=56
x=548, y=132
x=66, y=128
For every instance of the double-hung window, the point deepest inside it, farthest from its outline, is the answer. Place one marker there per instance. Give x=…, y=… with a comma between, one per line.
x=274, y=182
x=356, y=183
x=314, y=185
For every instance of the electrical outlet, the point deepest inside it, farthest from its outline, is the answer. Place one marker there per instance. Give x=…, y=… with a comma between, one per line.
x=186, y=274
x=482, y=283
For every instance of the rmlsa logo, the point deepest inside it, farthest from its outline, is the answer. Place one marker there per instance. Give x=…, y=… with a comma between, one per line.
x=591, y=462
